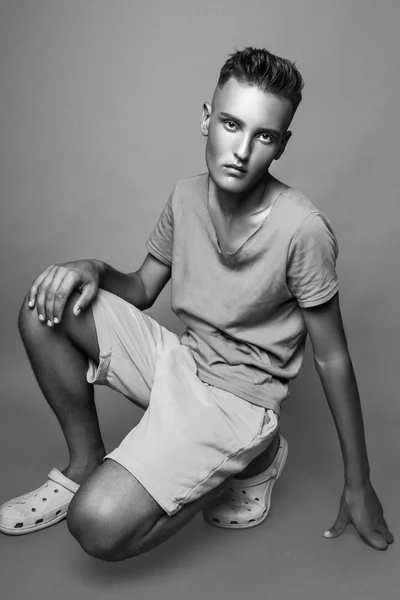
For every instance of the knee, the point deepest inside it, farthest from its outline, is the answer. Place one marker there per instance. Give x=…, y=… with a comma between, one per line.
x=96, y=528
x=28, y=321
x=29, y=325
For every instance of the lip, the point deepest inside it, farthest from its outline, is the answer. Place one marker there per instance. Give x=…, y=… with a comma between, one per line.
x=236, y=168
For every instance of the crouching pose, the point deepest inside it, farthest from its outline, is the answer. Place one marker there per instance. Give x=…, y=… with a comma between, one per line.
x=252, y=263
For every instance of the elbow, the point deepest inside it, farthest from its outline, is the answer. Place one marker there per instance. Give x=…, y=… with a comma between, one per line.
x=340, y=360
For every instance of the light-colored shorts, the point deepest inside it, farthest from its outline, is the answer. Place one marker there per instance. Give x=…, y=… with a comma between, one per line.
x=192, y=435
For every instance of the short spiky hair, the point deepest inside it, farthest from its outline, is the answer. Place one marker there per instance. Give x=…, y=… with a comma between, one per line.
x=258, y=66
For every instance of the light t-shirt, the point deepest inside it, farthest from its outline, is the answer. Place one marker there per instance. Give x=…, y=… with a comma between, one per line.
x=242, y=311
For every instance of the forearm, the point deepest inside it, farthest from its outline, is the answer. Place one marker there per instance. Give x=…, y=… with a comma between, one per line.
x=341, y=391
x=128, y=286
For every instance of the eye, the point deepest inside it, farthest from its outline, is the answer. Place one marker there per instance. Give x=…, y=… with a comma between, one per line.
x=230, y=125
x=266, y=138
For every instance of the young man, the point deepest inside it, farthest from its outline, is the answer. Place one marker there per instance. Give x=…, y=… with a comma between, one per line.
x=252, y=263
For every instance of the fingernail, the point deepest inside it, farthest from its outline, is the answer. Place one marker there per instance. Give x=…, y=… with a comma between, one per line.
x=327, y=533
x=78, y=310
x=41, y=318
x=56, y=320
x=49, y=323
x=30, y=303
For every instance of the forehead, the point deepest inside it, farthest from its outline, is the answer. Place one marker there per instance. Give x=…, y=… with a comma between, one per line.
x=255, y=107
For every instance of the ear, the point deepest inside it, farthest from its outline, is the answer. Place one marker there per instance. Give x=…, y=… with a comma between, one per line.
x=281, y=150
x=205, y=119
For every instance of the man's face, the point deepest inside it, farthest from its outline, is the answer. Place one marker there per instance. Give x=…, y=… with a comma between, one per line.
x=246, y=130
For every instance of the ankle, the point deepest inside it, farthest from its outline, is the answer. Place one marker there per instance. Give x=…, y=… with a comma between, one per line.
x=79, y=472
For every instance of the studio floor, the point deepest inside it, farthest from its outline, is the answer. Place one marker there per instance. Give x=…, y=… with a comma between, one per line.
x=285, y=558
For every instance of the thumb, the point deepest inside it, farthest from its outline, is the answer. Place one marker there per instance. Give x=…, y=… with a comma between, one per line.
x=88, y=293
x=340, y=525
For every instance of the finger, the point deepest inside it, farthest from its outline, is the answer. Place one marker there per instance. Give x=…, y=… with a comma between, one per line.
x=367, y=532
x=52, y=293
x=63, y=284
x=89, y=292
x=36, y=283
x=385, y=527
x=373, y=539
x=42, y=293
x=383, y=521
x=65, y=289
x=385, y=533
x=340, y=525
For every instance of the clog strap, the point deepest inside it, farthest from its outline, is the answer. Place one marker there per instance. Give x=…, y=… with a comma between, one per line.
x=56, y=476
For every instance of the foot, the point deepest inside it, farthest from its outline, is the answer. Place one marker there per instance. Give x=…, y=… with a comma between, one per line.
x=40, y=508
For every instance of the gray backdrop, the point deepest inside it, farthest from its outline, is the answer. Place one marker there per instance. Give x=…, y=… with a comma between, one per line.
x=100, y=106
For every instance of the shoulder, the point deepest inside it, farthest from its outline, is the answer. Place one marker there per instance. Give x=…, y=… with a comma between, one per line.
x=188, y=194
x=195, y=184
x=296, y=212
x=297, y=204
x=310, y=229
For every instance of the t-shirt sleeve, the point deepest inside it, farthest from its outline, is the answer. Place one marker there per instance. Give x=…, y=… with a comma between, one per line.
x=159, y=244
x=311, y=267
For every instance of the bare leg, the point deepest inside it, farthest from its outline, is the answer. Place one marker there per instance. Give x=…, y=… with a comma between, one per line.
x=113, y=517
x=58, y=356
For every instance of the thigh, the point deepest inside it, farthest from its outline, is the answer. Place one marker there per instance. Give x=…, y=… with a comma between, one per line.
x=192, y=437
x=81, y=329
x=113, y=516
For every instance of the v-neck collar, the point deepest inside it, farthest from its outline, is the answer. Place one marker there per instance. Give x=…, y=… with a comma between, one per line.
x=268, y=211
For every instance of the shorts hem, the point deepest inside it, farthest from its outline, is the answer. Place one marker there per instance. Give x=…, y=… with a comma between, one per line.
x=273, y=425
x=139, y=470
x=97, y=374
x=158, y=487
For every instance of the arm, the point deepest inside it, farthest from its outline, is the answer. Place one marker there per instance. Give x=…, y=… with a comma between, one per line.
x=140, y=288
x=359, y=504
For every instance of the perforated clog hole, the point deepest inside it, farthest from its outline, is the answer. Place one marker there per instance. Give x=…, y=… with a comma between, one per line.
x=244, y=492
x=39, y=521
x=216, y=520
x=58, y=512
x=56, y=491
x=44, y=499
x=251, y=520
x=33, y=509
x=257, y=499
x=18, y=525
x=234, y=522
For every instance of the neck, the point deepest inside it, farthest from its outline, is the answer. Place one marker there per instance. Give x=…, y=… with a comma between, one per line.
x=248, y=202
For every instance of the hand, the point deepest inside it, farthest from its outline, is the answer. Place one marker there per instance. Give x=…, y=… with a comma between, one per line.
x=52, y=288
x=363, y=509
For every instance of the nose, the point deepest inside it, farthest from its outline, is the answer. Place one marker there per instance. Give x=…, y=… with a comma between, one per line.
x=243, y=149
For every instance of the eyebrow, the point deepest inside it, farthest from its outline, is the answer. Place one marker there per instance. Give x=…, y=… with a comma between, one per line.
x=226, y=115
